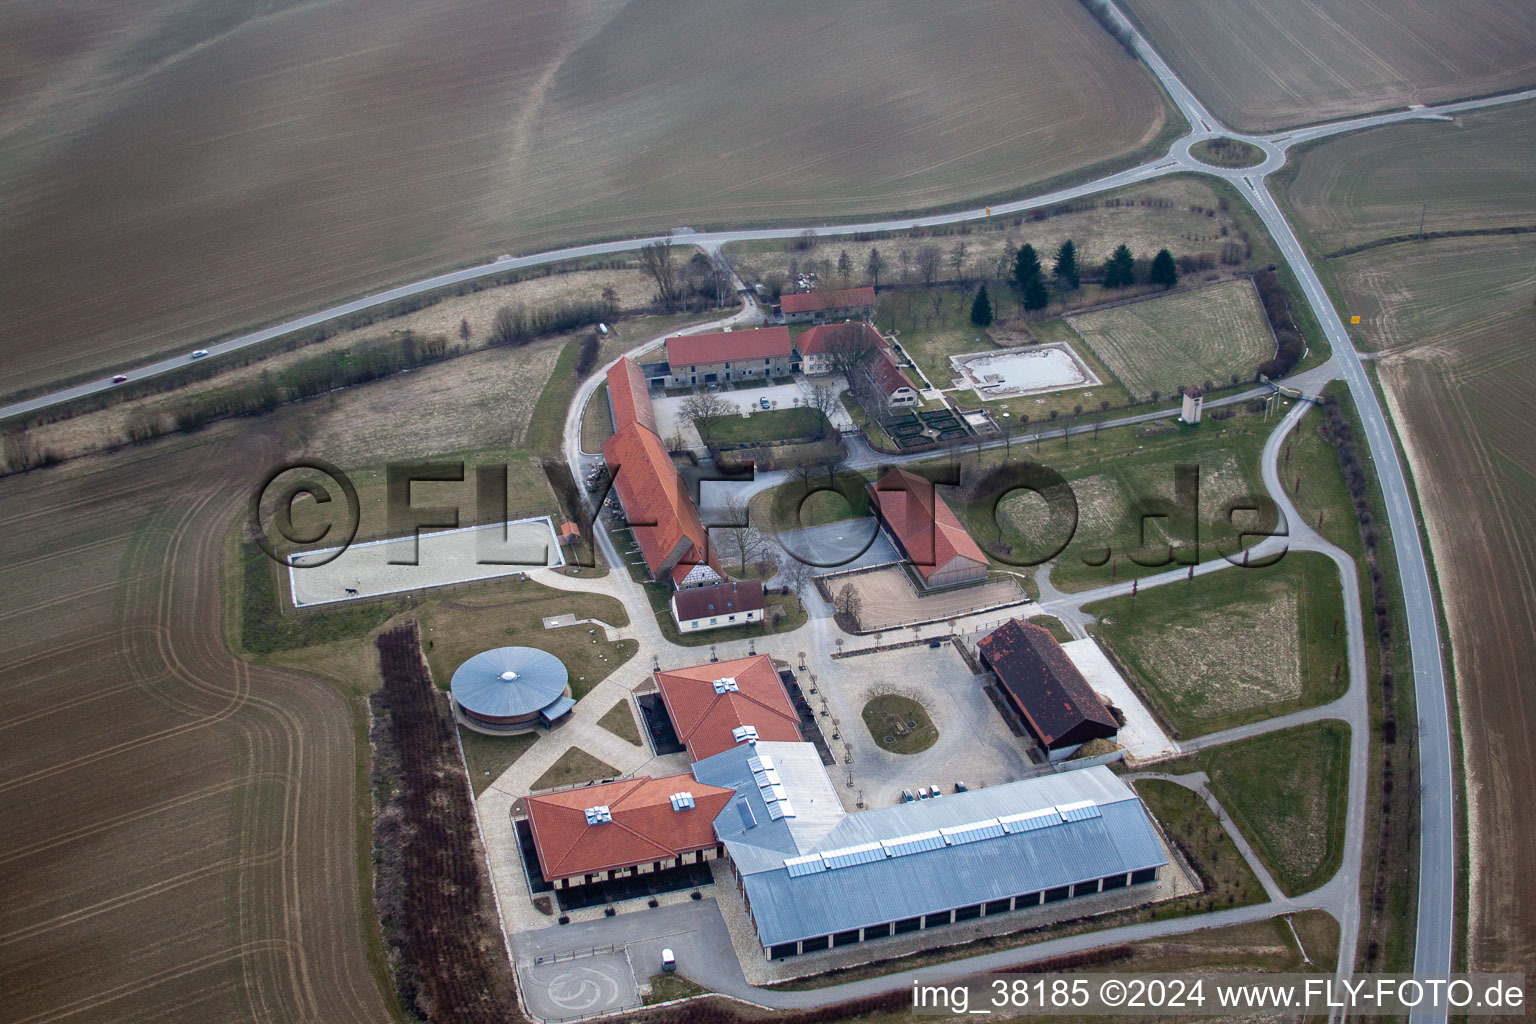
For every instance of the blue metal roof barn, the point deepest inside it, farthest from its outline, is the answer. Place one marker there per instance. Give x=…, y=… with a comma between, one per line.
x=511, y=685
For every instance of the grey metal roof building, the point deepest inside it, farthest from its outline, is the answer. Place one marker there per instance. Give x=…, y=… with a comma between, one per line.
x=511, y=685
x=846, y=878
x=764, y=822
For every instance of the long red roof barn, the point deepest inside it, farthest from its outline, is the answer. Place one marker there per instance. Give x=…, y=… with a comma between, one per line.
x=628, y=397
x=645, y=826
x=661, y=514
x=705, y=713
x=1057, y=703
x=728, y=346
x=809, y=302
x=929, y=533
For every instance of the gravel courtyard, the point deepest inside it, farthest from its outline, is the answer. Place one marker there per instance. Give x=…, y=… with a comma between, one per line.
x=888, y=599
x=975, y=745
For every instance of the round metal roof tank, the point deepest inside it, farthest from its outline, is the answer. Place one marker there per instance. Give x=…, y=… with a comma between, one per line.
x=509, y=682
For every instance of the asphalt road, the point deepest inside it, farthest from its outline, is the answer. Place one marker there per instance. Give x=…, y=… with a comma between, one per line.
x=1437, y=847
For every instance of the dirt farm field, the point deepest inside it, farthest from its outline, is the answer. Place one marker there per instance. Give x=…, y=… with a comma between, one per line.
x=1185, y=338
x=1372, y=185
x=185, y=819
x=1453, y=319
x=1458, y=375
x=1264, y=66
x=176, y=177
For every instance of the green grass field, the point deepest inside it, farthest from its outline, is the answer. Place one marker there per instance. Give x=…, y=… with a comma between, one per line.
x=770, y=425
x=1108, y=475
x=1233, y=647
x=455, y=629
x=575, y=765
x=1262, y=67
x=1189, y=823
x=488, y=756
x=1286, y=792
x=1161, y=344
x=620, y=721
x=1227, y=153
x=899, y=724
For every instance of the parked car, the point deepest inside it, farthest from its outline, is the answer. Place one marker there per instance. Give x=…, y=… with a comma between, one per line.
x=906, y=796
x=763, y=402
x=668, y=961
x=199, y=353
x=960, y=787
x=922, y=792
x=937, y=791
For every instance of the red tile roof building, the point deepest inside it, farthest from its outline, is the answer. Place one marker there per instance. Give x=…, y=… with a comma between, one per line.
x=724, y=604
x=1056, y=702
x=729, y=355
x=887, y=376
x=925, y=530
x=660, y=512
x=629, y=399
x=827, y=304
x=711, y=704
x=639, y=825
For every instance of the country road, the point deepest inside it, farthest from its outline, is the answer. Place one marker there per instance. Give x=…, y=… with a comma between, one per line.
x=1437, y=863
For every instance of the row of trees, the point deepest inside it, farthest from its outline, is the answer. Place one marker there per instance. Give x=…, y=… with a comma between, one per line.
x=434, y=901
x=685, y=284
x=1032, y=292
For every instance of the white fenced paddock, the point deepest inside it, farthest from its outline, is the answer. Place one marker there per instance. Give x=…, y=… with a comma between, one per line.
x=442, y=557
x=1024, y=371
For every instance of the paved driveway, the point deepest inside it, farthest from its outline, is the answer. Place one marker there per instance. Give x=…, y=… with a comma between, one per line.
x=975, y=745
x=578, y=987
x=852, y=544
x=669, y=416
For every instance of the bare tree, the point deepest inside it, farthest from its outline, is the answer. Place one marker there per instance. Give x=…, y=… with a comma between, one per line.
x=873, y=266
x=611, y=299
x=957, y=257
x=702, y=408
x=738, y=538
x=929, y=260
x=844, y=268
x=795, y=575
x=509, y=327
x=850, y=346
x=848, y=602
x=823, y=399
x=464, y=331
x=21, y=451
x=659, y=262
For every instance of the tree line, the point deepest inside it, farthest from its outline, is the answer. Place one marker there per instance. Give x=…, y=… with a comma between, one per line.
x=1033, y=290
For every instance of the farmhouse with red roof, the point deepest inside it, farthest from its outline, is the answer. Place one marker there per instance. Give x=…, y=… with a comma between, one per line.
x=725, y=356
x=629, y=827
x=716, y=706
x=732, y=603
x=925, y=530
x=824, y=305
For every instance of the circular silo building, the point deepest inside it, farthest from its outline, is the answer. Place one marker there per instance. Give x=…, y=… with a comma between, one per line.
x=510, y=689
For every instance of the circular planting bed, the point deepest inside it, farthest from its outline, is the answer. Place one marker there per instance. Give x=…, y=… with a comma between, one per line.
x=899, y=724
x=1226, y=153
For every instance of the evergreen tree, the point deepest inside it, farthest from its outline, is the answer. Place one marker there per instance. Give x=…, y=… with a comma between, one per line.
x=1164, y=271
x=981, y=309
x=1066, y=264
x=1026, y=267
x=1035, y=295
x=844, y=266
x=1119, y=269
